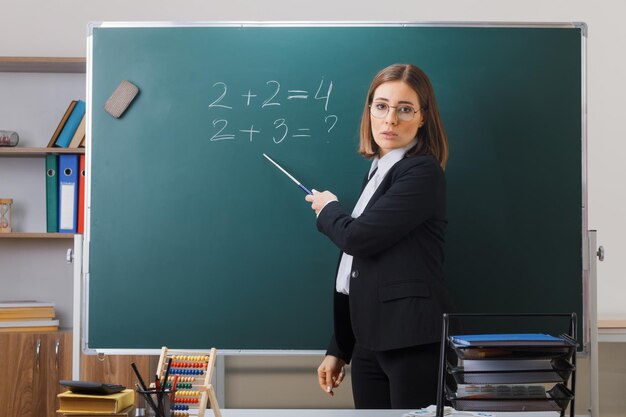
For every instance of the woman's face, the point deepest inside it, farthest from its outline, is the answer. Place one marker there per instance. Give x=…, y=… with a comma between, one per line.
x=393, y=116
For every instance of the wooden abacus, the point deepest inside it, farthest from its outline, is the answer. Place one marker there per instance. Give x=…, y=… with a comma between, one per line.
x=194, y=372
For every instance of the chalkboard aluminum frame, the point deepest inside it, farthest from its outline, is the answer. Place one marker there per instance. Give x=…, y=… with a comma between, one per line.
x=81, y=333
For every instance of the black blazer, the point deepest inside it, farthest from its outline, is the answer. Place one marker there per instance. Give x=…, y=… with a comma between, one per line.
x=397, y=292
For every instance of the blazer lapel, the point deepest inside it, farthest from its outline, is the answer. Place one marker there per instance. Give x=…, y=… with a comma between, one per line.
x=382, y=187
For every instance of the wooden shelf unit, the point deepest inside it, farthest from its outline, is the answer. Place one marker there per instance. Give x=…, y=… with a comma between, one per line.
x=33, y=235
x=74, y=65
x=43, y=65
x=17, y=151
x=37, y=152
x=34, y=362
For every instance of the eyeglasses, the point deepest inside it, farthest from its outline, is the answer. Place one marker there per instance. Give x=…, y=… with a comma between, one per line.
x=380, y=110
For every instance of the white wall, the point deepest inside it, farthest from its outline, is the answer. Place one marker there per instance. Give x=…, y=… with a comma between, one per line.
x=58, y=28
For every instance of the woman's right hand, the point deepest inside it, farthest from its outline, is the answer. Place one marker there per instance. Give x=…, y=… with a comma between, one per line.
x=319, y=200
x=330, y=373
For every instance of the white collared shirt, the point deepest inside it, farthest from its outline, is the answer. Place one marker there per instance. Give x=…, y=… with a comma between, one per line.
x=382, y=167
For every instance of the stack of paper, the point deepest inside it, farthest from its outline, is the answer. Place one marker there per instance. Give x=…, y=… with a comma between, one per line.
x=21, y=316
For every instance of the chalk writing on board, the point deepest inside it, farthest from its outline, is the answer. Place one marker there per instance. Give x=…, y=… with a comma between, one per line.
x=271, y=95
x=215, y=103
x=269, y=101
x=327, y=96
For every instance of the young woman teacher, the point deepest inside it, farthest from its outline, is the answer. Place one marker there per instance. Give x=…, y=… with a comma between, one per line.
x=390, y=293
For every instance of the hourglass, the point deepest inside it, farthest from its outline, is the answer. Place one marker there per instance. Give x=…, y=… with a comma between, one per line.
x=5, y=215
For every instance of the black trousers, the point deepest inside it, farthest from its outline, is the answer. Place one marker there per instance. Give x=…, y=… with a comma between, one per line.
x=400, y=378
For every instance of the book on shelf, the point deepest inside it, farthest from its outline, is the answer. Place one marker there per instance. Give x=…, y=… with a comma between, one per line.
x=24, y=304
x=21, y=319
x=127, y=412
x=16, y=310
x=57, y=132
x=505, y=339
x=29, y=326
x=70, y=402
x=71, y=125
x=78, y=135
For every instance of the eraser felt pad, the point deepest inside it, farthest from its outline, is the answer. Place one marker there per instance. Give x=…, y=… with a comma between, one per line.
x=121, y=98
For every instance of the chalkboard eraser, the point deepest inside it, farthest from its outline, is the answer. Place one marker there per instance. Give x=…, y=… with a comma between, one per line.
x=121, y=98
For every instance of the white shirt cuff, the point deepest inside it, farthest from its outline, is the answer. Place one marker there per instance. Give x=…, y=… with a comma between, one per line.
x=330, y=201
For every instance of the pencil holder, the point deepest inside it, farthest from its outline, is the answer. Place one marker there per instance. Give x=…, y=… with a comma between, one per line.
x=159, y=402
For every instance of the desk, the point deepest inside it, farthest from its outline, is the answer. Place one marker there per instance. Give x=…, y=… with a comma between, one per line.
x=354, y=413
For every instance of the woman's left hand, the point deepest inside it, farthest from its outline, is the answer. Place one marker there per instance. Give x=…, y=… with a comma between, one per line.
x=319, y=200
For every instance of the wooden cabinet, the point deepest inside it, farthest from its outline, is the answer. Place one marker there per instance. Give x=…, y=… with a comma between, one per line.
x=56, y=362
x=32, y=365
x=116, y=369
x=18, y=352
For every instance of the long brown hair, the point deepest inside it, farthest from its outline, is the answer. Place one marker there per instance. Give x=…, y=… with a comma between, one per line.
x=431, y=137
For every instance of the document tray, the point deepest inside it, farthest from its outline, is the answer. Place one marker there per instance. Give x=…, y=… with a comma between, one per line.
x=560, y=372
x=557, y=399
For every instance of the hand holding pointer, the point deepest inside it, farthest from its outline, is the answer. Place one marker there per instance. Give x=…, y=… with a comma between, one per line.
x=319, y=200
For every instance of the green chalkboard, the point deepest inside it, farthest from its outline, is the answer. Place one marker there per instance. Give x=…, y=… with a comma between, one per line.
x=196, y=241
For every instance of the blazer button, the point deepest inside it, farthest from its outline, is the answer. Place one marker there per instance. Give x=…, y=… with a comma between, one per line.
x=354, y=274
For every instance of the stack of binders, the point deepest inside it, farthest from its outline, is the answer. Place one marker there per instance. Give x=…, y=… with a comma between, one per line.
x=65, y=174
